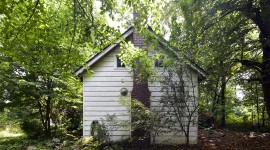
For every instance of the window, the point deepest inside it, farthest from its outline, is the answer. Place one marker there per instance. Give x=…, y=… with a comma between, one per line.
x=158, y=63
x=119, y=64
x=159, y=59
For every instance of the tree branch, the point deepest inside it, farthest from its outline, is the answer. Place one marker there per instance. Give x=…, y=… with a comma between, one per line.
x=29, y=18
x=41, y=115
x=252, y=79
x=255, y=15
x=251, y=64
x=91, y=17
x=74, y=27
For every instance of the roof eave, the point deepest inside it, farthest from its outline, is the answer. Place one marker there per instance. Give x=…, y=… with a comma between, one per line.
x=192, y=65
x=98, y=56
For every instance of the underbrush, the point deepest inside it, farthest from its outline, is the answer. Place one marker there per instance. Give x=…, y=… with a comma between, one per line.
x=21, y=142
x=13, y=138
x=245, y=127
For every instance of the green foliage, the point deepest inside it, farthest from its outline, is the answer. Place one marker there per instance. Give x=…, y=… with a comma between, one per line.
x=137, y=58
x=32, y=128
x=100, y=135
x=99, y=131
x=21, y=142
x=152, y=120
x=9, y=125
x=43, y=42
x=13, y=116
x=92, y=144
x=4, y=119
x=102, y=130
x=87, y=143
x=179, y=99
x=224, y=38
x=241, y=38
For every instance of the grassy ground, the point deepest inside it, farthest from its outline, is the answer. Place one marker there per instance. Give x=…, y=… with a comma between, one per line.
x=9, y=133
x=12, y=138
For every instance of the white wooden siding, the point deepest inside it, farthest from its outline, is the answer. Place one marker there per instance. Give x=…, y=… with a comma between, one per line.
x=156, y=95
x=101, y=95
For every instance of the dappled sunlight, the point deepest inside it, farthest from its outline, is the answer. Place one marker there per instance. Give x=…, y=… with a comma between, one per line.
x=12, y=138
x=6, y=133
x=10, y=132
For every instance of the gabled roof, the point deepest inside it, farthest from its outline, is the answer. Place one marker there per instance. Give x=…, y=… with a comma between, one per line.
x=203, y=74
x=98, y=56
x=126, y=34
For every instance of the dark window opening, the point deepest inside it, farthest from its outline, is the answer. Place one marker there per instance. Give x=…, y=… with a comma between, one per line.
x=119, y=62
x=158, y=63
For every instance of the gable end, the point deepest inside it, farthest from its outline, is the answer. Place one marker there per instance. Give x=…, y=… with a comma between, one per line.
x=79, y=72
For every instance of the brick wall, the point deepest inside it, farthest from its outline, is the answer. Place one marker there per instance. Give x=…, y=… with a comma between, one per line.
x=141, y=93
x=140, y=89
x=138, y=40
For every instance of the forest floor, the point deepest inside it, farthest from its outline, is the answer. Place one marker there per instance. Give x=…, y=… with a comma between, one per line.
x=223, y=139
x=219, y=139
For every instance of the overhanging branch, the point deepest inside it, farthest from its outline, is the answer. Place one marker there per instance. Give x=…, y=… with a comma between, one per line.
x=251, y=64
x=29, y=18
x=253, y=79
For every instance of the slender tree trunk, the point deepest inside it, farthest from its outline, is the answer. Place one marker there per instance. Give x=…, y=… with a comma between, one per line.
x=252, y=114
x=41, y=114
x=223, y=99
x=214, y=106
x=48, y=116
x=48, y=108
x=187, y=135
x=263, y=116
x=154, y=139
x=257, y=105
x=187, y=142
x=214, y=103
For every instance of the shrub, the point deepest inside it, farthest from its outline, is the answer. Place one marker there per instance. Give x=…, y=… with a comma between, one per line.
x=32, y=127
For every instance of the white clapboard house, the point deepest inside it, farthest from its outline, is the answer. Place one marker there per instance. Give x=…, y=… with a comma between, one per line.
x=103, y=91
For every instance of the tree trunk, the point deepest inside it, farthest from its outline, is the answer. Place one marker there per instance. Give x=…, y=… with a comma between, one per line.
x=187, y=134
x=252, y=114
x=257, y=105
x=48, y=116
x=48, y=108
x=214, y=106
x=264, y=24
x=223, y=99
x=41, y=114
x=266, y=78
x=263, y=116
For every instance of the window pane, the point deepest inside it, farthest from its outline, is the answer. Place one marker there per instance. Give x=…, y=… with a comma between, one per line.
x=158, y=63
x=119, y=63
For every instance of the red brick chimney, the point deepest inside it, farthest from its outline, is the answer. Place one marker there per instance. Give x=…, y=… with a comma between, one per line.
x=140, y=91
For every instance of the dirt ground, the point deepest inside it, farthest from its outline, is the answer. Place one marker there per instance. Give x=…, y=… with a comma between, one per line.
x=233, y=140
x=209, y=139
x=223, y=139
